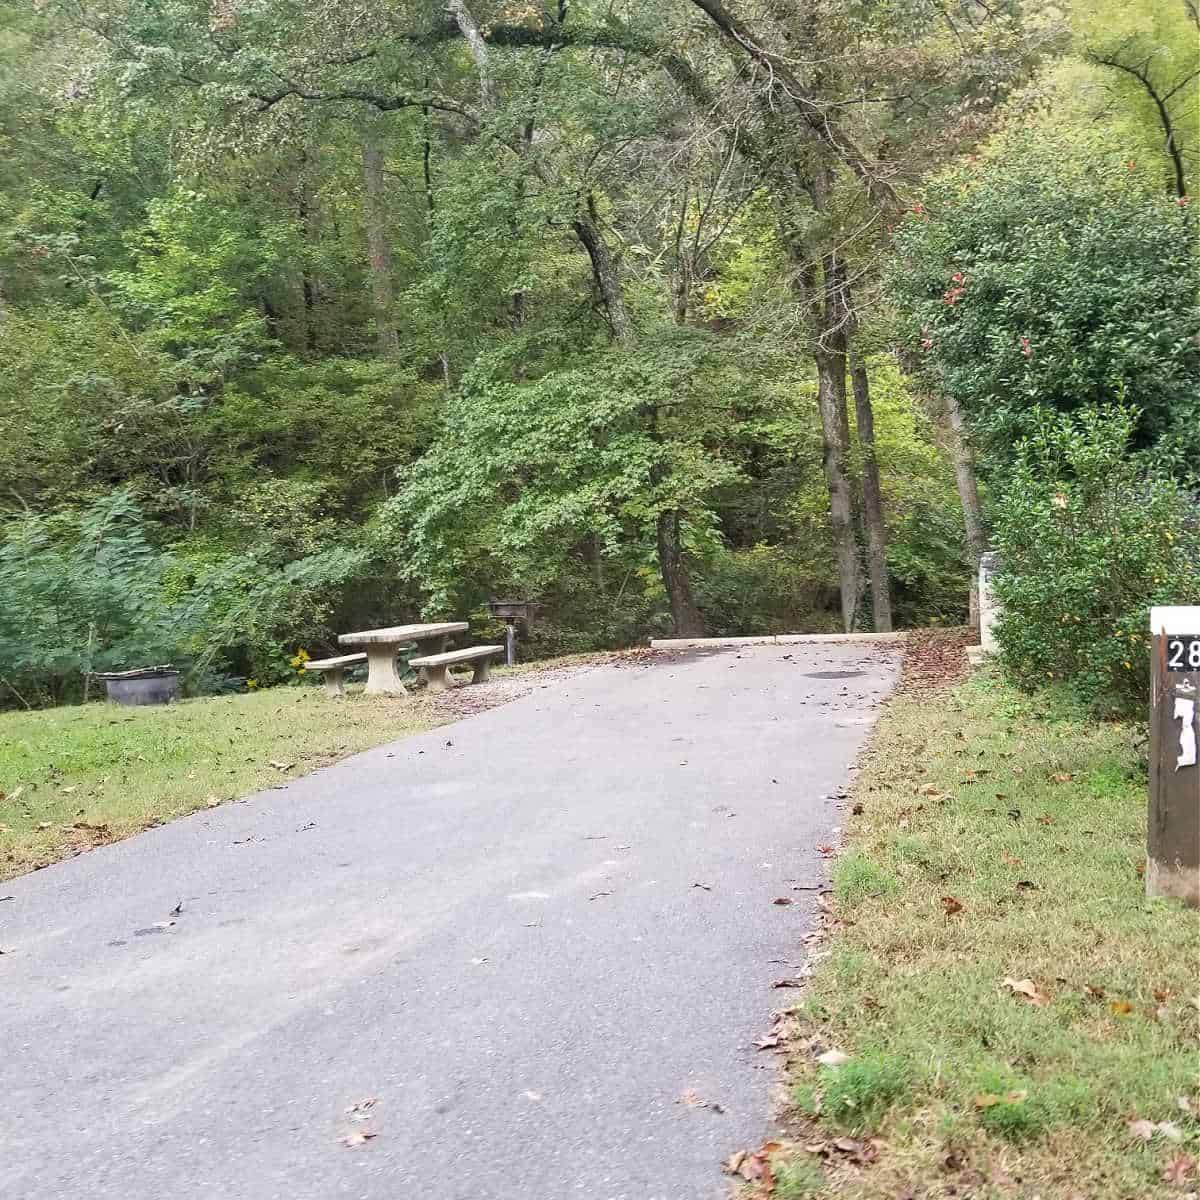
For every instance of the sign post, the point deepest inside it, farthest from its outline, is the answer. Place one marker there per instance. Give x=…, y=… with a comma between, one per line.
x=1173, y=829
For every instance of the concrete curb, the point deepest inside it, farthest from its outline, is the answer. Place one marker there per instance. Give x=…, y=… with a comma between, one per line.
x=783, y=639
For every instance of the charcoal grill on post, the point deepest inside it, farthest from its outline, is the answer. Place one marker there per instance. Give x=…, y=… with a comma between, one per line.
x=512, y=613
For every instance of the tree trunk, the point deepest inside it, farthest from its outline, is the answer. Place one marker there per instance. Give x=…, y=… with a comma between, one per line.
x=831, y=400
x=608, y=281
x=684, y=614
x=881, y=596
x=379, y=245
x=964, y=474
x=677, y=580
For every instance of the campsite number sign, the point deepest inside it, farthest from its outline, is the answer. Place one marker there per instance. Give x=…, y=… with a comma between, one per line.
x=1183, y=652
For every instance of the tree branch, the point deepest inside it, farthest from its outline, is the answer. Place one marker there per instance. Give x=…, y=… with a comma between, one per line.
x=1141, y=72
x=816, y=115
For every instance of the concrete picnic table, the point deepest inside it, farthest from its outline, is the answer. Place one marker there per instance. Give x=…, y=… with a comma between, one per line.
x=382, y=646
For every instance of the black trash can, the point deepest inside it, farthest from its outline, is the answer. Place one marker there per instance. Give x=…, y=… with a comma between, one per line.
x=146, y=685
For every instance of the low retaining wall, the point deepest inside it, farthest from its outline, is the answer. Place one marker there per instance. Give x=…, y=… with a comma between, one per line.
x=782, y=639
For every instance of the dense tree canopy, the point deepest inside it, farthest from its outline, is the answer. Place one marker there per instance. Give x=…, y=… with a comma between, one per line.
x=333, y=314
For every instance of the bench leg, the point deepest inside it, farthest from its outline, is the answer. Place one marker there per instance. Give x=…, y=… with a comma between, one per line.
x=333, y=682
x=482, y=670
x=436, y=678
x=381, y=671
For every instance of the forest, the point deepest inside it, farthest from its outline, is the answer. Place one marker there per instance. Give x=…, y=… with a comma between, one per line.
x=689, y=316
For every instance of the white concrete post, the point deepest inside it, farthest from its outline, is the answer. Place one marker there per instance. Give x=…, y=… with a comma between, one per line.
x=989, y=611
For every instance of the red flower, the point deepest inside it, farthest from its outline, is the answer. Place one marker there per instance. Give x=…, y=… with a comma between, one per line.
x=926, y=344
x=958, y=277
x=1183, y=201
x=1026, y=348
x=951, y=297
x=918, y=209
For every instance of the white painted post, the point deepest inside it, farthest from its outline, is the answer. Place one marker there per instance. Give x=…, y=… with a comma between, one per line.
x=1173, y=825
x=989, y=611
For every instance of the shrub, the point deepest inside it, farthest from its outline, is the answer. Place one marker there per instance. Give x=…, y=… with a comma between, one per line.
x=1089, y=538
x=1053, y=274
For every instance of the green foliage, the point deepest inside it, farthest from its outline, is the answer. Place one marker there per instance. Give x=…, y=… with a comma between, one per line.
x=1089, y=539
x=1054, y=276
x=86, y=591
x=580, y=462
x=80, y=593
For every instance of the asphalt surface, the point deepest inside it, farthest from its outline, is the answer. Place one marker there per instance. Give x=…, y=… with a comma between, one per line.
x=492, y=930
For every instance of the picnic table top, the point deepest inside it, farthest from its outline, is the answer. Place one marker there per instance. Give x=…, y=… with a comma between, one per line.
x=402, y=633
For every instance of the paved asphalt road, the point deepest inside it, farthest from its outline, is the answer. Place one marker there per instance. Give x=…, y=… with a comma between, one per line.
x=492, y=928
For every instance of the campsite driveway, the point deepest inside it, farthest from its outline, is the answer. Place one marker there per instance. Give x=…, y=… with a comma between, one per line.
x=494, y=930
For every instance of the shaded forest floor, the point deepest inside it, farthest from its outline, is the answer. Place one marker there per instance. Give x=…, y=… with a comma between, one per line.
x=77, y=777
x=995, y=1010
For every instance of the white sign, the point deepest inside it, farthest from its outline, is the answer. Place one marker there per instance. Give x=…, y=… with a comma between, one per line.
x=1180, y=625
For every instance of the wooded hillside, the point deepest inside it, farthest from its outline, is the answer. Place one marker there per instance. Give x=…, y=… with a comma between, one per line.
x=690, y=315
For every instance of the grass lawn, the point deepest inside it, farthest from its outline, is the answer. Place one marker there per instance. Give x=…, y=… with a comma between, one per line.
x=76, y=777
x=1019, y=1020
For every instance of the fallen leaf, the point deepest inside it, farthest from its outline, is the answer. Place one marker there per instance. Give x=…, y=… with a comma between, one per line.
x=45, y=824
x=1183, y=1103
x=1015, y=1097
x=857, y=810
x=783, y=900
x=986, y=1100
x=768, y=1041
x=1027, y=885
x=1044, y=819
x=833, y=1058
x=357, y=1137
x=15, y=793
x=847, y=1145
x=1096, y=993
x=1024, y=987
x=1179, y=1170
x=951, y=905
x=1062, y=777
x=1120, y=1008
x=1144, y=1130
x=692, y=1099
x=754, y=1166
x=281, y=766
x=1009, y=859
x=825, y=851
x=1160, y=995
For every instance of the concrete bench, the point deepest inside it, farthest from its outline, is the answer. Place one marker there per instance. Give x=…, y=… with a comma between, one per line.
x=435, y=666
x=334, y=669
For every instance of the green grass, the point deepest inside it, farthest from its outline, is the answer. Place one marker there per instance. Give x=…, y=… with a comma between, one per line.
x=76, y=777
x=1034, y=822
